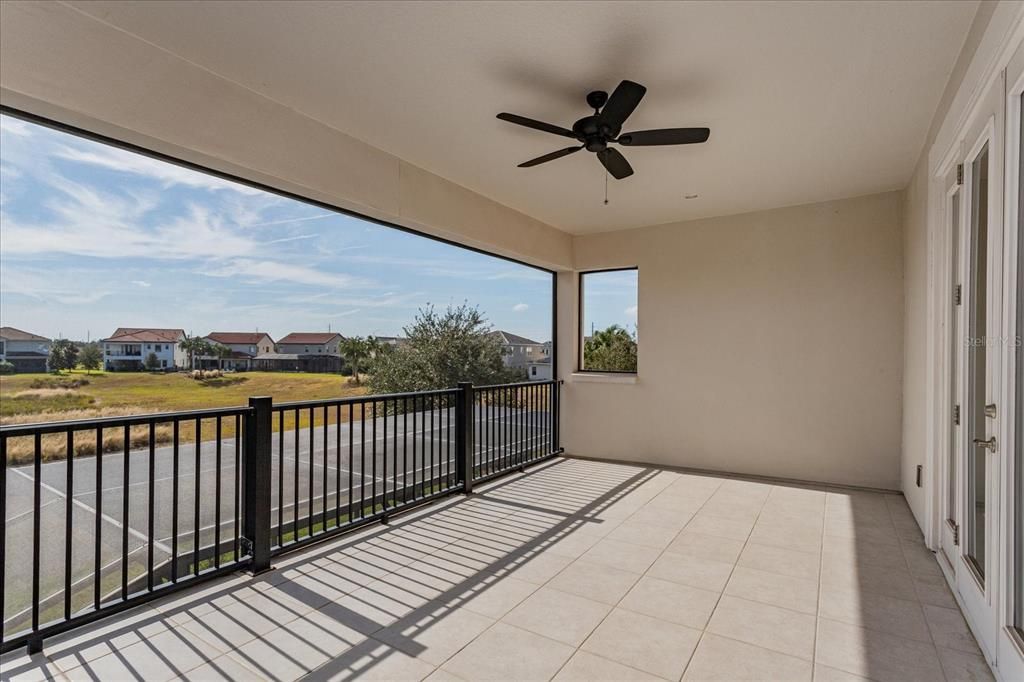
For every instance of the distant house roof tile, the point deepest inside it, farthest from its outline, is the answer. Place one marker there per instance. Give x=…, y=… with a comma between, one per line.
x=137, y=334
x=12, y=334
x=237, y=337
x=514, y=339
x=310, y=337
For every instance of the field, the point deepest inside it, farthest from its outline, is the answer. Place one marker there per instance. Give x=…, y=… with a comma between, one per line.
x=30, y=398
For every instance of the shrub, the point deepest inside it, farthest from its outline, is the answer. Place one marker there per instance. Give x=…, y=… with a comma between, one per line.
x=6, y=368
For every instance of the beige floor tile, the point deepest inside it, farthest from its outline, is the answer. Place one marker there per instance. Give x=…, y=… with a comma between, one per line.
x=763, y=625
x=559, y=615
x=798, y=594
x=780, y=560
x=492, y=595
x=960, y=666
x=498, y=654
x=573, y=544
x=223, y=668
x=585, y=666
x=594, y=581
x=163, y=656
x=900, y=617
x=715, y=548
x=803, y=539
x=892, y=581
x=691, y=570
x=823, y=673
x=664, y=518
x=728, y=660
x=18, y=666
x=649, y=644
x=708, y=524
x=537, y=568
x=934, y=590
x=921, y=560
x=680, y=604
x=640, y=533
x=876, y=655
x=622, y=555
x=949, y=629
x=848, y=552
x=435, y=632
x=372, y=660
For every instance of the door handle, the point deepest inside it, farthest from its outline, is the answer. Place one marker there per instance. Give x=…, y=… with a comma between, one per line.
x=989, y=444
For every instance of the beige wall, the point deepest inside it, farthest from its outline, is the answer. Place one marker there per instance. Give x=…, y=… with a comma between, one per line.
x=771, y=343
x=57, y=62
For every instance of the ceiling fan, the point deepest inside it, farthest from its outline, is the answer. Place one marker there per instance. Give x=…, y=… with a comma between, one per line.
x=597, y=131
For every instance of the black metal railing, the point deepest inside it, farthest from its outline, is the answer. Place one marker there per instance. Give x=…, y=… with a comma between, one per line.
x=103, y=514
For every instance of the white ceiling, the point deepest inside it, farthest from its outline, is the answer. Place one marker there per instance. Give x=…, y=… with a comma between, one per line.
x=805, y=101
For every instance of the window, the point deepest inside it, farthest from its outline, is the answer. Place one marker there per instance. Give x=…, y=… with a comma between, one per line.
x=158, y=348
x=608, y=321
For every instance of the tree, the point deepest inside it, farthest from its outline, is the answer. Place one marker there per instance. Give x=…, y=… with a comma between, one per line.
x=611, y=350
x=221, y=351
x=90, y=357
x=152, y=362
x=196, y=346
x=356, y=349
x=63, y=355
x=442, y=349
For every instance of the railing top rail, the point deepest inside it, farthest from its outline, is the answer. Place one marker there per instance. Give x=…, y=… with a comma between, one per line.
x=521, y=384
x=357, y=399
x=17, y=430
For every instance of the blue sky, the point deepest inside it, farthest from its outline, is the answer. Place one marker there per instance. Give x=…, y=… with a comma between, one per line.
x=610, y=298
x=93, y=238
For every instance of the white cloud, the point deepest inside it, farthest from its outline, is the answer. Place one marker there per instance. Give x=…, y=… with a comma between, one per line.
x=631, y=311
x=520, y=307
x=141, y=283
x=166, y=173
x=14, y=126
x=255, y=271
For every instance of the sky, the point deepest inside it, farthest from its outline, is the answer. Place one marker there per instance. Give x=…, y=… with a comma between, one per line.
x=93, y=238
x=609, y=298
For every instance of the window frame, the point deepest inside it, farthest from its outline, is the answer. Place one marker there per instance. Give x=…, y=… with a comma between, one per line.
x=87, y=134
x=580, y=369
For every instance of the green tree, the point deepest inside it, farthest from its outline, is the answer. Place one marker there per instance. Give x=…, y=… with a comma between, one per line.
x=196, y=346
x=63, y=355
x=442, y=349
x=610, y=350
x=221, y=351
x=152, y=362
x=90, y=357
x=355, y=350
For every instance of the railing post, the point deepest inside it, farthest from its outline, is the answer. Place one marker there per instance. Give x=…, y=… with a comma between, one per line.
x=464, y=435
x=256, y=475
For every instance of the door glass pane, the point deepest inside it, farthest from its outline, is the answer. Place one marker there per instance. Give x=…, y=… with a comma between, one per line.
x=954, y=219
x=976, y=354
x=1018, y=564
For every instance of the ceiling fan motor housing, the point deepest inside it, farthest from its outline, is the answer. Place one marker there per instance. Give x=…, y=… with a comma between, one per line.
x=594, y=133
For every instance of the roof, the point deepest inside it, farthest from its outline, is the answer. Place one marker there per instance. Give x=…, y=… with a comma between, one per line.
x=129, y=334
x=542, y=361
x=12, y=334
x=237, y=337
x=310, y=337
x=514, y=339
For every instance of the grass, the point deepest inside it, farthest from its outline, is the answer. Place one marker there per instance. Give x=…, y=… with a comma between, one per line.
x=30, y=398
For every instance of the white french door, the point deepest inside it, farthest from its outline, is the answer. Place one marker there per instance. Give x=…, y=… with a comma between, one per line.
x=971, y=540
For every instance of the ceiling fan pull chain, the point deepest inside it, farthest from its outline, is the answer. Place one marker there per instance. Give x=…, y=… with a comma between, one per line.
x=606, y=188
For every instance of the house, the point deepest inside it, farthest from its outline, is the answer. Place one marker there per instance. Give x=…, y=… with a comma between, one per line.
x=245, y=346
x=26, y=351
x=816, y=470
x=128, y=348
x=311, y=343
x=518, y=351
x=304, y=352
x=539, y=370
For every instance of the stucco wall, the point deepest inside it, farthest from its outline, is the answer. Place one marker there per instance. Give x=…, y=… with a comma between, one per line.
x=771, y=343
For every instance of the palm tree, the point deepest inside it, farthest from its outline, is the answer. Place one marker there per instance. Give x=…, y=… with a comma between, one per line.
x=355, y=349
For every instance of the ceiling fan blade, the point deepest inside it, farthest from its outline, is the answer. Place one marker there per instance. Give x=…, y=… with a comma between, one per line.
x=549, y=157
x=615, y=163
x=665, y=136
x=622, y=103
x=536, y=125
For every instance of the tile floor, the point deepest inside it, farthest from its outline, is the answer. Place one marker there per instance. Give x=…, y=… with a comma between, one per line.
x=574, y=570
